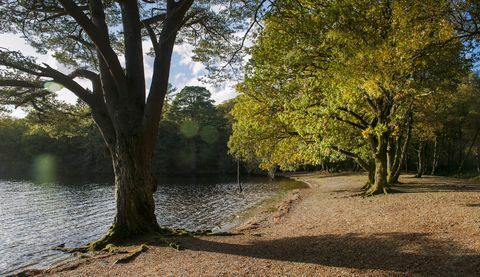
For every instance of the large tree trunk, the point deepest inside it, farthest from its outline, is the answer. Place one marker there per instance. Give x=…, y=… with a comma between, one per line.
x=380, y=185
x=134, y=188
x=371, y=174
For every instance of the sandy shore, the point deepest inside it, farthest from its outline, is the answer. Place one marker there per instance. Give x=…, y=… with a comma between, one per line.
x=433, y=229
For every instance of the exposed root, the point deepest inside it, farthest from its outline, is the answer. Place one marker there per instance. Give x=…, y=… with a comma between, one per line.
x=366, y=186
x=110, y=248
x=108, y=243
x=132, y=254
x=372, y=191
x=175, y=245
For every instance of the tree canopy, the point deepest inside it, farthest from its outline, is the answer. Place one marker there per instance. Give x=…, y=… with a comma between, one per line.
x=333, y=80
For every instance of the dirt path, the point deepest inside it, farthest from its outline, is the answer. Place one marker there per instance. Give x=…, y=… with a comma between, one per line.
x=433, y=229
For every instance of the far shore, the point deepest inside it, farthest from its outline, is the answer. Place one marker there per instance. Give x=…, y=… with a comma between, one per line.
x=430, y=228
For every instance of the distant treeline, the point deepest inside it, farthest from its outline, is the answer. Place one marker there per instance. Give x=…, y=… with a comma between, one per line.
x=192, y=140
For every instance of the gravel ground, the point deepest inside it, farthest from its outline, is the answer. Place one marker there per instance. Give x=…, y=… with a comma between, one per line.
x=432, y=229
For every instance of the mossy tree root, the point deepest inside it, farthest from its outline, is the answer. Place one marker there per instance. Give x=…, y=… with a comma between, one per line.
x=373, y=190
x=132, y=254
x=108, y=243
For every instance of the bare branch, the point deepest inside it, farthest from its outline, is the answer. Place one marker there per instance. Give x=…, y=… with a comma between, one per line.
x=154, y=19
x=242, y=44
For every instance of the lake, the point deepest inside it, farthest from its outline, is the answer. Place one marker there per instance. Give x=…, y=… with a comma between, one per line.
x=36, y=217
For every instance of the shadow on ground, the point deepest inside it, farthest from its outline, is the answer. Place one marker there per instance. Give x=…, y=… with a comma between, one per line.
x=400, y=252
x=435, y=187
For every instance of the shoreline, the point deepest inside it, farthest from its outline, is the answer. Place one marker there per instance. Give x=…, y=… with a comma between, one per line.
x=431, y=229
x=247, y=220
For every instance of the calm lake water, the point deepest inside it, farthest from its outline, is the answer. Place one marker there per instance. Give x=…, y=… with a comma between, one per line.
x=36, y=217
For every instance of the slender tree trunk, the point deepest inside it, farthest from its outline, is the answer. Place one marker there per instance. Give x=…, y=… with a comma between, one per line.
x=401, y=152
x=392, y=149
x=271, y=172
x=478, y=161
x=238, y=176
x=420, y=160
x=406, y=161
x=460, y=167
x=435, y=156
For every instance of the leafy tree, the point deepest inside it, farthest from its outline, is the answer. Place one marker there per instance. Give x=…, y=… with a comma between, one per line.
x=263, y=136
x=202, y=130
x=192, y=103
x=101, y=41
x=344, y=77
x=11, y=136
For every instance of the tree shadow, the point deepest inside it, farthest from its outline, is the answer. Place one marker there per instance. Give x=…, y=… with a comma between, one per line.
x=400, y=252
x=435, y=187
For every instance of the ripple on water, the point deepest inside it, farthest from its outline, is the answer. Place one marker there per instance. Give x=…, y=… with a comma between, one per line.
x=36, y=217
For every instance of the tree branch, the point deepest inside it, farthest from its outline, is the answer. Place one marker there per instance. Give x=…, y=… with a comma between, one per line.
x=132, y=36
x=360, y=118
x=161, y=71
x=361, y=162
x=154, y=19
x=69, y=83
x=254, y=21
x=351, y=123
x=99, y=38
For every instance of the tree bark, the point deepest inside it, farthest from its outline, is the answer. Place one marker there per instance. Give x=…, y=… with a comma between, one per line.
x=478, y=161
x=380, y=184
x=435, y=156
x=460, y=167
x=134, y=188
x=392, y=154
x=271, y=172
x=401, y=153
x=420, y=160
x=371, y=174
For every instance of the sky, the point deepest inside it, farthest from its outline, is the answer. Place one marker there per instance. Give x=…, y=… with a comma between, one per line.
x=184, y=71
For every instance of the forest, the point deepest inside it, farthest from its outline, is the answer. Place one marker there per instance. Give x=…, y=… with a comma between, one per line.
x=195, y=142
x=443, y=140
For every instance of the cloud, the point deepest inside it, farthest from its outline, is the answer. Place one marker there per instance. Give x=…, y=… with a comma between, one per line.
x=189, y=73
x=220, y=93
x=185, y=51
